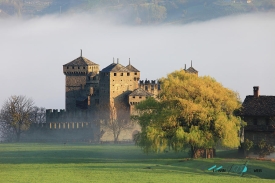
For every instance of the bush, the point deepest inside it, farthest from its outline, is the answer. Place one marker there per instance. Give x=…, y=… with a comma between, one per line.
x=263, y=148
x=247, y=146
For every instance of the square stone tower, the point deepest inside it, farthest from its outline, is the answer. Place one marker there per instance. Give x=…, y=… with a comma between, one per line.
x=116, y=83
x=82, y=82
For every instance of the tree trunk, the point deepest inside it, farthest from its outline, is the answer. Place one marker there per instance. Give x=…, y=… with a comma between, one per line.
x=17, y=137
x=197, y=152
x=18, y=132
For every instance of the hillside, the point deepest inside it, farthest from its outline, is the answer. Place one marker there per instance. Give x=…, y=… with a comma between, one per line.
x=137, y=11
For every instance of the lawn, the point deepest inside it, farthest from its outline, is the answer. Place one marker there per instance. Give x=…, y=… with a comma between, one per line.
x=43, y=162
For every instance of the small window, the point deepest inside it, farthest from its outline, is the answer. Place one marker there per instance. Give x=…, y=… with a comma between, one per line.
x=152, y=87
x=146, y=87
x=135, y=73
x=83, y=67
x=140, y=96
x=134, y=97
x=255, y=121
x=72, y=67
x=128, y=74
x=114, y=74
x=67, y=67
x=267, y=121
x=78, y=67
x=121, y=74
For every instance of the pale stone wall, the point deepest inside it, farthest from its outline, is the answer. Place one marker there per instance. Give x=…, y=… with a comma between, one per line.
x=120, y=82
x=126, y=135
x=151, y=88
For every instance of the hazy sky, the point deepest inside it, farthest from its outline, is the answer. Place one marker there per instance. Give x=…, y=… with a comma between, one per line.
x=238, y=52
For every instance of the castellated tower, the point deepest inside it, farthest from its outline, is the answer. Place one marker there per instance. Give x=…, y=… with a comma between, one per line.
x=81, y=83
x=116, y=83
x=93, y=96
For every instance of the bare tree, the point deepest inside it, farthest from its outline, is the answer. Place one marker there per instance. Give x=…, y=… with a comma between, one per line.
x=117, y=119
x=38, y=115
x=16, y=115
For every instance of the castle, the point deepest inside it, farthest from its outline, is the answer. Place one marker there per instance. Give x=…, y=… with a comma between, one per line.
x=92, y=94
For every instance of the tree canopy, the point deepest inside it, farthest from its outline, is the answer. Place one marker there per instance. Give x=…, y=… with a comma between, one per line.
x=16, y=115
x=191, y=110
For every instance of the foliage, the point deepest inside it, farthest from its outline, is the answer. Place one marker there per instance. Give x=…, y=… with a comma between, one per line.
x=16, y=115
x=248, y=146
x=263, y=148
x=191, y=110
x=38, y=115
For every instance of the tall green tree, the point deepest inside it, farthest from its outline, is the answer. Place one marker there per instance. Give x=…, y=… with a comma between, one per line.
x=191, y=111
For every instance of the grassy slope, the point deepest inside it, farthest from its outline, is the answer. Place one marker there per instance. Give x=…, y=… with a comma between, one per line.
x=115, y=163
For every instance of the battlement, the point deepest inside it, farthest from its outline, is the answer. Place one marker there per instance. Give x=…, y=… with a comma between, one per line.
x=147, y=82
x=53, y=115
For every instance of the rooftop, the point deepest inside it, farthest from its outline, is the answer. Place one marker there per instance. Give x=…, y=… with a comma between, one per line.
x=80, y=61
x=258, y=106
x=140, y=92
x=115, y=67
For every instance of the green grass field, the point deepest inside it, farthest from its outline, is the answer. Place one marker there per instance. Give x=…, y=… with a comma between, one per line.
x=42, y=162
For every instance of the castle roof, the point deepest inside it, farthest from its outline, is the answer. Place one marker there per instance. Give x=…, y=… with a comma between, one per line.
x=258, y=106
x=80, y=61
x=132, y=68
x=115, y=68
x=140, y=92
x=191, y=70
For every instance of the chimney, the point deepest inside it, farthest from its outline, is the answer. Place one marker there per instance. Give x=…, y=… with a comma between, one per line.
x=256, y=91
x=117, y=60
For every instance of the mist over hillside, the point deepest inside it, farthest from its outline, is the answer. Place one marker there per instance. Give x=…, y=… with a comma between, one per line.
x=137, y=12
x=237, y=51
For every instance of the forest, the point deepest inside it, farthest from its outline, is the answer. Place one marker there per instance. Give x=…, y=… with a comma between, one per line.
x=137, y=12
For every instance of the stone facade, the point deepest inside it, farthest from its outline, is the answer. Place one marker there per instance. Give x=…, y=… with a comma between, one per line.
x=93, y=94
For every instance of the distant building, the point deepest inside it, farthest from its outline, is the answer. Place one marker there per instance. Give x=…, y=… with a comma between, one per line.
x=259, y=113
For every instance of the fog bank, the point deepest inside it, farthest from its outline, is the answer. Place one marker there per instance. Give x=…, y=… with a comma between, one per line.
x=237, y=51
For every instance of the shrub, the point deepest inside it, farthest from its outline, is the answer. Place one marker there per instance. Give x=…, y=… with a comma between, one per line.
x=263, y=148
x=247, y=146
